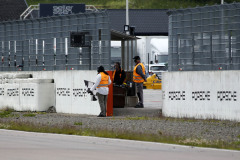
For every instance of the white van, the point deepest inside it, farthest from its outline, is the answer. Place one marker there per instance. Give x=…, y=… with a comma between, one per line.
x=157, y=69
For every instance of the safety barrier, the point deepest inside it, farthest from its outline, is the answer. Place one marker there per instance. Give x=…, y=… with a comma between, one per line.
x=37, y=92
x=26, y=94
x=202, y=94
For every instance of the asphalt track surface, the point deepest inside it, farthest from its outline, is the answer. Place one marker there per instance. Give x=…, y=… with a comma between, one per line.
x=19, y=145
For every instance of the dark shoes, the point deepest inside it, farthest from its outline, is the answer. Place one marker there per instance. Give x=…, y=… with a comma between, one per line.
x=139, y=106
x=100, y=115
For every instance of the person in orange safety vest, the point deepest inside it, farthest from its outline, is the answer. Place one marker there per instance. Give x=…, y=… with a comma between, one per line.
x=139, y=76
x=102, y=82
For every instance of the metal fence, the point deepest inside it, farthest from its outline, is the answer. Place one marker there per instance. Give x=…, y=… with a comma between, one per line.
x=205, y=38
x=44, y=43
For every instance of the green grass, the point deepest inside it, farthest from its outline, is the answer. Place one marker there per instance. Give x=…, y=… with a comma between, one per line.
x=6, y=113
x=137, y=4
x=213, y=144
x=137, y=118
x=237, y=143
x=41, y=112
x=78, y=123
x=29, y=115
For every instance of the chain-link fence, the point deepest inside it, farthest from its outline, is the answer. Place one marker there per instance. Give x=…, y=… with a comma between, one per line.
x=205, y=38
x=44, y=43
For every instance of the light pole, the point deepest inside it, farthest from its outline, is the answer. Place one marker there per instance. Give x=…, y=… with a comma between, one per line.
x=222, y=1
x=127, y=17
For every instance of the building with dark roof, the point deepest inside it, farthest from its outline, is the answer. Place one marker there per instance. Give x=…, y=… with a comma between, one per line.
x=147, y=22
x=12, y=9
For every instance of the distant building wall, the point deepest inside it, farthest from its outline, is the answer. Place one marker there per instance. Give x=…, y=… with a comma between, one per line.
x=154, y=45
x=205, y=38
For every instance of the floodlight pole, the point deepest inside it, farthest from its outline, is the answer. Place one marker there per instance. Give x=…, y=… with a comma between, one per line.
x=127, y=15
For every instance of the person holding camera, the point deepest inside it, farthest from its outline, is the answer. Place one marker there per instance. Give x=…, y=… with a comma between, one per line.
x=102, y=82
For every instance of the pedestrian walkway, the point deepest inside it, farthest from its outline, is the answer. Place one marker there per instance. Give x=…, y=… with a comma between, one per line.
x=152, y=106
x=152, y=98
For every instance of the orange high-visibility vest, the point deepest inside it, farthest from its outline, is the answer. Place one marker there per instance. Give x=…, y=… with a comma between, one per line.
x=136, y=77
x=104, y=80
x=115, y=72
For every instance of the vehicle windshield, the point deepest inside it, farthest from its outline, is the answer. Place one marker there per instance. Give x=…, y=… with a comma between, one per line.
x=158, y=68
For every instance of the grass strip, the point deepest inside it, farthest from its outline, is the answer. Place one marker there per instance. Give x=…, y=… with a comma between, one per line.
x=6, y=113
x=29, y=115
x=76, y=130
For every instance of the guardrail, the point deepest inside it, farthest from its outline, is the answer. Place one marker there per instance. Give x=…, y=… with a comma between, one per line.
x=28, y=11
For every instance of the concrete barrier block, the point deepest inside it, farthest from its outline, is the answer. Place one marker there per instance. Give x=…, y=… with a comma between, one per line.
x=27, y=94
x=82, y=101
x=69, y=91
x=202, y=94
x=63, y=91
x=37, y=96
x=9, y=97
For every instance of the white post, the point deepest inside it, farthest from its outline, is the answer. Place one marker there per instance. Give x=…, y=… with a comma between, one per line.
x=43, y=52
x=15, y=47
x=36, y=46
x=66, y=46
x=222, y=1
x=55, y=45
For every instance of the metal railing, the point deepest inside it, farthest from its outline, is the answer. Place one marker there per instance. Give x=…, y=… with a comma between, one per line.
x=28, y=11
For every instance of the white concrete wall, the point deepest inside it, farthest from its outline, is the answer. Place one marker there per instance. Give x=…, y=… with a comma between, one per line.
x=78, y=100
x=27, y=94
x=68, y=93
x=202, y=94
